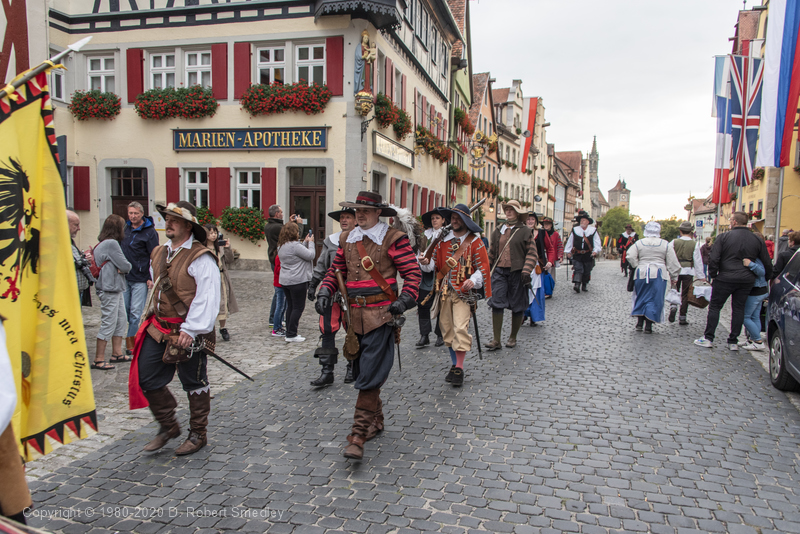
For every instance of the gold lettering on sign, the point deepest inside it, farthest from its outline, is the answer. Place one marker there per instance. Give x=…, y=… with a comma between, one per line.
x=306, y=141
x=317, y=141
x=267, y=138
x=196, y=141
x=206, y=139
x=247, y=140
x=258, y=136
x=295, y=138
x=230, y=141
x=185, y=140
x=285, y=138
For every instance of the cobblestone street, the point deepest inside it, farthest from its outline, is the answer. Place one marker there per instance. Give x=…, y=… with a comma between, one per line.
x=586, y=426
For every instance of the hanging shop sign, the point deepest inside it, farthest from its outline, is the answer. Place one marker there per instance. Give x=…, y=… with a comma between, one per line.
x=383, y=146
x=250, y=139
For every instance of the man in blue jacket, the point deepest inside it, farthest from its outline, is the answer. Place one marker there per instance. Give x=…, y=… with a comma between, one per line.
x=141, y=238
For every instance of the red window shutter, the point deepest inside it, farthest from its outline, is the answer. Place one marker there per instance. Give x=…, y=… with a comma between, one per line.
x=414, y=198
x=441, y=125
x=135, y=66
x=403, y=92
x=334, y=52
x=391, y=191
x=269, y=188
x=387, y=77
x=173, y=175
x=425, y=112
x=423, y=201
x=416, y=122
x=81, y=189
x=241, y=69
x=403, y=194
x=219, y=189
x=219, y=71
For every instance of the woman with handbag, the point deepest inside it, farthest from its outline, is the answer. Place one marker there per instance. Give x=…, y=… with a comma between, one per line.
x=655, y=264
x=111, y=285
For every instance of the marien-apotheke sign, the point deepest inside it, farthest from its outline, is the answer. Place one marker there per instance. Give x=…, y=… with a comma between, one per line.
x=251, y=139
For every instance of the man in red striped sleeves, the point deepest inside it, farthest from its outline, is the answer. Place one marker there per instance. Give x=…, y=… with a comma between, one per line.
x=370, y=256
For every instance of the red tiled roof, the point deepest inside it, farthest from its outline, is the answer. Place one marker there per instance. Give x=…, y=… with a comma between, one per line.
x=603, y=199
x=573, y=159
x=459, y=10
x=479, y=84
x=746, y=29
x=700, y=206
x=618, y=187
x=500, y=96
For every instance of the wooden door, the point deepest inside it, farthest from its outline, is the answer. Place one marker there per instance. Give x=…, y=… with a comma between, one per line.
x=309, y=204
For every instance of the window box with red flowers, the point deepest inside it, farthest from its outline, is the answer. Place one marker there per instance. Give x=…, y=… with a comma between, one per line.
x=94, y=104
x=263, y=99
x=552, y=197
x=430, y=144
x=193, y=102
x=460, y=117
x=541, y=189
x=247, y=223
x=204, y=216
x=755, y=214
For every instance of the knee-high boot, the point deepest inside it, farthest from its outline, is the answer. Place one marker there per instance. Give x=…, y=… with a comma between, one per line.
x=199, y=408
x=516, y=323
x=327, y=359
x=364, y=415
x=376, y=426
x=162, y=405
x=497, y=330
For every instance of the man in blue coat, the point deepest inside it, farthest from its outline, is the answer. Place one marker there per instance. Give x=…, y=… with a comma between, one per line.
x=141, y=238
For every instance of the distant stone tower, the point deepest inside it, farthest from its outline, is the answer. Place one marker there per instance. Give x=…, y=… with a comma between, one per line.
x=594, y=181
x=620, y=195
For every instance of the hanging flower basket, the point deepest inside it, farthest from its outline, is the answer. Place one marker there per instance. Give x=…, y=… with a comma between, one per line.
x=430, y=144
x=385, y=112
x=264, y=99
x=247, y=223
x=87, y=105
x=462, y=119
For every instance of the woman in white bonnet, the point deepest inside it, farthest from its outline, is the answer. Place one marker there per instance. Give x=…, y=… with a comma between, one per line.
x=655, y=264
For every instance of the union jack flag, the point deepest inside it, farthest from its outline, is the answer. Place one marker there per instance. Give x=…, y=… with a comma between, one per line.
x=747, y=73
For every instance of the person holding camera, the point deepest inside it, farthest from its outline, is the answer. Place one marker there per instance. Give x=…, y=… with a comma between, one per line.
x=272, y=232
x=297, y=261
x=227, y=300
x=82, y=261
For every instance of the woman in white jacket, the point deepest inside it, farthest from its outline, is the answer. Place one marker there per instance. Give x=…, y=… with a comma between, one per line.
x=655, y=264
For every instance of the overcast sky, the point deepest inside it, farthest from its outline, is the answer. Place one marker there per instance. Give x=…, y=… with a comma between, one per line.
x=638, y=74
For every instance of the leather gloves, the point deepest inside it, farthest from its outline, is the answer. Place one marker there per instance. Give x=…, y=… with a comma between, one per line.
x=323, y=301
x=403, y=303
x=312, y=293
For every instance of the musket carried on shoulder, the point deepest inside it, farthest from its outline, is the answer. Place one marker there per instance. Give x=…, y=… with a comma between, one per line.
x=446, y=230
x=351, y=346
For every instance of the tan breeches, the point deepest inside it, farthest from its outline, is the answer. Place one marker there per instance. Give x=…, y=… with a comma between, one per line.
x=454, y=317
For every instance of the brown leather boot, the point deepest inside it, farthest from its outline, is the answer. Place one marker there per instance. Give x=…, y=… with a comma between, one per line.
x=162, y=405
x=376, y=426
x=366, y=406
x=199, y=407
x=129, y=344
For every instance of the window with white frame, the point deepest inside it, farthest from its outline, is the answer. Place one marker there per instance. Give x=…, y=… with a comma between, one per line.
x=434, y=44
x=310, y=63
x=381, y=78
x=162, y=70
x=398, y=88
x=248, y=189
x=197, y=186
x=101, y=74
x=271, y=65
x=57, y=84
x=198, y=69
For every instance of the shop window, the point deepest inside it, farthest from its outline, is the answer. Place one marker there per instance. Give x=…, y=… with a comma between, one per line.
x=271, y=65
x=162, y=71
x=102, y=74
x=129, y=182
x=248, y=189
x=197, y=186
x=198, y=69
x=310, y=63
x=307, y=176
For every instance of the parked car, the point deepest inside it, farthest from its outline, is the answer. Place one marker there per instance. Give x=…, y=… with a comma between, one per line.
x=784, y=328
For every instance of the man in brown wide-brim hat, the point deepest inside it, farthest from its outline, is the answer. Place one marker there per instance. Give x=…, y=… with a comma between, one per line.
x=185, y=305
x=513, y=257
x=370, y=256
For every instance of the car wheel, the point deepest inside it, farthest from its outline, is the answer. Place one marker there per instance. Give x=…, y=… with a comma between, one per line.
x=778, y=374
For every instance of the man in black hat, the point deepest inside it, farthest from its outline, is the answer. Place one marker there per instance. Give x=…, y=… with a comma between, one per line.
x=329, y=322
x=461, y=266
x=186, y=303
x=433, y=221
x=583, y=246
x=370, y=257
x=625, y=241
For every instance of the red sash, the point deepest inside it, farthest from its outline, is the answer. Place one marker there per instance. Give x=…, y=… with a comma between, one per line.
x=136, y=398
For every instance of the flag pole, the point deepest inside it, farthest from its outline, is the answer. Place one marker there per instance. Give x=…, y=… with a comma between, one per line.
x=43, y=66
x=780, y=206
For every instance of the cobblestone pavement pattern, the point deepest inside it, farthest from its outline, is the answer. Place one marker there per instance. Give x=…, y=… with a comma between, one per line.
x=586, y=426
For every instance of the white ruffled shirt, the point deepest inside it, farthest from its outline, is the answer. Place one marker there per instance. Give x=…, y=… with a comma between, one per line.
x=588, y=233
x=376, y=233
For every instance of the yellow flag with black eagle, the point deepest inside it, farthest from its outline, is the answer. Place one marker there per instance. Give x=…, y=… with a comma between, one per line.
x=38, y=287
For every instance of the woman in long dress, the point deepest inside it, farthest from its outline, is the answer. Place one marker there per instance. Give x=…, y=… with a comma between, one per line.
x=655, y=265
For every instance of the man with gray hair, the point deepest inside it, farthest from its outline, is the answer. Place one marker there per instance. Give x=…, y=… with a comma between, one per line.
x=141, y=238
x=732, y=278
x=82, y=261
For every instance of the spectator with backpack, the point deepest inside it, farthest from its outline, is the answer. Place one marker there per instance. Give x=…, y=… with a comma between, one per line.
x=111, y=285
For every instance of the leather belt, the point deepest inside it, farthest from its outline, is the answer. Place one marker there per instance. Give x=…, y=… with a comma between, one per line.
x=371, y=299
